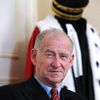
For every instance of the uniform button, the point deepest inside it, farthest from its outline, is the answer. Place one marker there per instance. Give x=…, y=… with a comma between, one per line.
x=97, y=63
x=92, y=30
x=96, y=45
x=99, y=82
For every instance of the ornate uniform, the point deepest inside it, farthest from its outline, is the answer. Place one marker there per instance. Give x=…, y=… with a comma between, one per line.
x=84, y=77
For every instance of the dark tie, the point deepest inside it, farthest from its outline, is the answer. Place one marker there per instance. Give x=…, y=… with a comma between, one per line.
x=54, y=94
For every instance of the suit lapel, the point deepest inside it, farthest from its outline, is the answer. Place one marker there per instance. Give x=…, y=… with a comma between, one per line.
x=35, y=91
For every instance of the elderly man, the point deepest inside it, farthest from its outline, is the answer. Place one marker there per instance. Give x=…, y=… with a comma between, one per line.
x=52, y=55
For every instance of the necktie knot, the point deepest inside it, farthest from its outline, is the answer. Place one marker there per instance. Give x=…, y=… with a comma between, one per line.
x=54, y=94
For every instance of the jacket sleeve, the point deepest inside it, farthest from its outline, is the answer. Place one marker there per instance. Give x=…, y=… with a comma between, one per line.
x=30, y=68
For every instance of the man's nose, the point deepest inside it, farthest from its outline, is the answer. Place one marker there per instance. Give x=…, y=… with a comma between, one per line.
x=56, y=62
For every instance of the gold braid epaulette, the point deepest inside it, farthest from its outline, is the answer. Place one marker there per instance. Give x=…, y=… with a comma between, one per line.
x=75, y=10
x=65, y=15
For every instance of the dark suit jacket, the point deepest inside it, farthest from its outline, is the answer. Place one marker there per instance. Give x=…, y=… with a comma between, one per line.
x=31, y=90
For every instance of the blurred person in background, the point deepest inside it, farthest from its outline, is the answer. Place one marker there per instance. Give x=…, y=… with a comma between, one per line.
x=84, y=76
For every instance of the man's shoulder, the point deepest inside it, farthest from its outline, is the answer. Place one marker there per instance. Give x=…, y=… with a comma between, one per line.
x=70, y=95
x=20, y=86
x=12, y=87
x=12, y=91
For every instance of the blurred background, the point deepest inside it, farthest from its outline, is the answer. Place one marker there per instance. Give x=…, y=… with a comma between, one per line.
x=17, y=21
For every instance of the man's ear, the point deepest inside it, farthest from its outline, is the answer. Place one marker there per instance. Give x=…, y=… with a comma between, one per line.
x=33, y=56
x=71, y=60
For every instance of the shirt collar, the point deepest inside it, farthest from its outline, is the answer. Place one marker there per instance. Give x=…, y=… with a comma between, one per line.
x=46, y=87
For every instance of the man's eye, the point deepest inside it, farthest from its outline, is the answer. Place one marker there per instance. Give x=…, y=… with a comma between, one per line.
x=64, y=57
x=49, y=55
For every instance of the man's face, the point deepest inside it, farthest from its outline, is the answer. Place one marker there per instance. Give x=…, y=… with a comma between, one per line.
x=53, y=61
